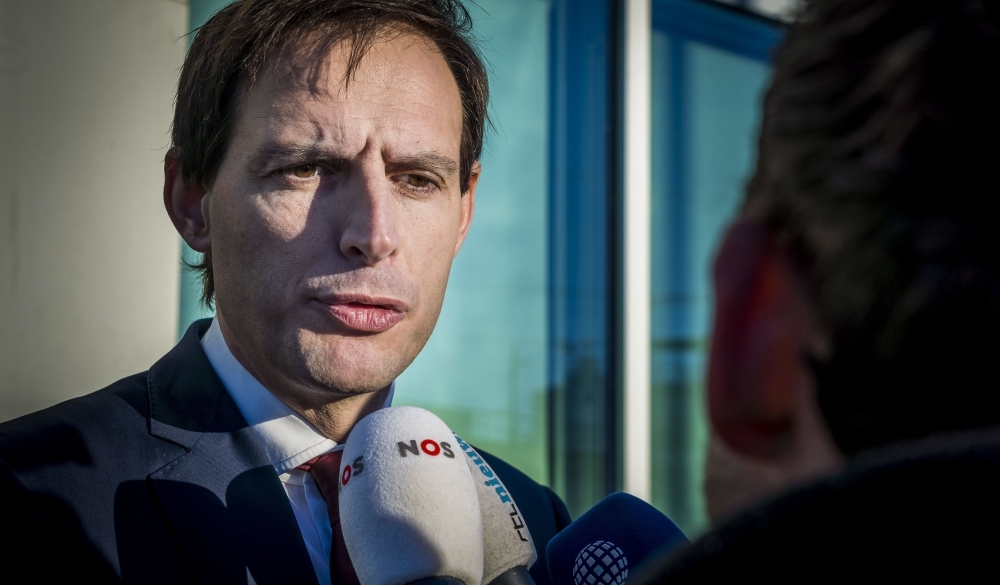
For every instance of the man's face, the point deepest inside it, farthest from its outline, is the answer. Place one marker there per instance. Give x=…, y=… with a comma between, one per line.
x=336, y=214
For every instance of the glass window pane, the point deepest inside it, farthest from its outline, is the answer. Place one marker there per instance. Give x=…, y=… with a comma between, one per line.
x=522, y=361
x=583, y=255
x=706, y=111
x=190, y=307
x=483, y=369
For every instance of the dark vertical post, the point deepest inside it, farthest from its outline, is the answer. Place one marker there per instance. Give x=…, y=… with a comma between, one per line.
x=584, y=212
x=583, y=253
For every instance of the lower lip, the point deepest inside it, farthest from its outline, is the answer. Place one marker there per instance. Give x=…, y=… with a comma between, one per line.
x=366, y=318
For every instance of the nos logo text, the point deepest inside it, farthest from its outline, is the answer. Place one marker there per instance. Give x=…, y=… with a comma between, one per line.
x=428, y=446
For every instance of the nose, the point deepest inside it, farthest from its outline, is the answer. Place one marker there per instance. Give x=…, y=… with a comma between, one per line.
x=369, y=232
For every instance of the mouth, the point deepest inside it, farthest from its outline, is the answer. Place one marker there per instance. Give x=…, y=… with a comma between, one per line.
x=363, y=313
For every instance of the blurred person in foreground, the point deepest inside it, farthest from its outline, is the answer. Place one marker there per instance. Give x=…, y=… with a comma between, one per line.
x=853, y=389
x=324, y=161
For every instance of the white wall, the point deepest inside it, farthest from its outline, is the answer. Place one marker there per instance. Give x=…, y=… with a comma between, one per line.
x=88, y=257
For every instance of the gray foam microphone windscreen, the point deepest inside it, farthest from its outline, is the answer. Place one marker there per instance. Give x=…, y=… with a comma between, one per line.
x=506, y=541
x=409, y=507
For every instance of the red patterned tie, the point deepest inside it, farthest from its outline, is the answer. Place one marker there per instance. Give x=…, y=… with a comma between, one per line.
x=325, y=471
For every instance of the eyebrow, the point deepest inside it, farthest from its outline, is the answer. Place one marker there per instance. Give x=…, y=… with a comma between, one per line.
x=272, y=153
x=436, y=163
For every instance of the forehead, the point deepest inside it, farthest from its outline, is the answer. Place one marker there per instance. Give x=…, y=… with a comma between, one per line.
x=400, y=93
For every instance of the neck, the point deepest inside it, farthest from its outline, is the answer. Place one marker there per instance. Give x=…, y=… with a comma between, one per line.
x=336, y=418
x=333, y=413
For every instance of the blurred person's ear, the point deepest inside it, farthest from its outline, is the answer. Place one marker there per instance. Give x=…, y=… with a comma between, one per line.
x=761, y=396
x=187, y=204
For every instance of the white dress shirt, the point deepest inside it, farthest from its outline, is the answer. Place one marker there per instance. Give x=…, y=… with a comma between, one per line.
x=288, y=439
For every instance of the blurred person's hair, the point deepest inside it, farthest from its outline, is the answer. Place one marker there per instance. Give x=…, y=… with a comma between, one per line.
x=231, y=48
x=877, y=173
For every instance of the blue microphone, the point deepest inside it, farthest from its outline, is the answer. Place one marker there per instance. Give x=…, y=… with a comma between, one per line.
x=600, y=547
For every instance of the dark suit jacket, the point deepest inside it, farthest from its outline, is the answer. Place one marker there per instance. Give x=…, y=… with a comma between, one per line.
x=922, y=512
x=159, y=479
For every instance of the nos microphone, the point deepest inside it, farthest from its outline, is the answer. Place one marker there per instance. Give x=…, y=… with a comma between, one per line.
x=600, y=547
x=408, y=506
x=508, y=551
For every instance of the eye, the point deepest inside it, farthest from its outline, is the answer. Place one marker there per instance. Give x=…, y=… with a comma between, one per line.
x=305, y=171
x=418, y=181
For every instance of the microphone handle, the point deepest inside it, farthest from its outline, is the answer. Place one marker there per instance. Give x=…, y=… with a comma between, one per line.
x=517, y=576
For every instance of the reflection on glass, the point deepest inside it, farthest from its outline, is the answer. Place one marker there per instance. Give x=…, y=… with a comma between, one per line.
x=584, y=409
x=484, y=368
x=706, y=111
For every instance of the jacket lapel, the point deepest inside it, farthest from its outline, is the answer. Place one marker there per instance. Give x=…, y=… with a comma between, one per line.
x=222, y=497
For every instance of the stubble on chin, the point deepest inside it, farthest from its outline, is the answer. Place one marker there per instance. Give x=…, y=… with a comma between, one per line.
x=352, y=365
x=345, y=365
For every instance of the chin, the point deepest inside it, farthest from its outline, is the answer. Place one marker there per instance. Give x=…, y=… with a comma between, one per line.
x=351, y=365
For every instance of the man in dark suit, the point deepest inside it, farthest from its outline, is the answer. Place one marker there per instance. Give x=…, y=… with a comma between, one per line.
x=852, y=385
x=324, y=162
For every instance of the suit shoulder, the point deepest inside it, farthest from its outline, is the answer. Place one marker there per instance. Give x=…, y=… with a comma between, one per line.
x=63, y=430
x=512, y=477
x=543, y=511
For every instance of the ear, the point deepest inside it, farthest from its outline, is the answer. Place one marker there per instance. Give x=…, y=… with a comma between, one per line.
x=187, y=204
x=468, y=206
x=760, y=326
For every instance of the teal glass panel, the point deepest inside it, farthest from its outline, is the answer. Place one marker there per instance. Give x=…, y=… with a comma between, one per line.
x=191, y=308
x=484, y=368
x=584, y=253
x=706, y=112
x=201, y=10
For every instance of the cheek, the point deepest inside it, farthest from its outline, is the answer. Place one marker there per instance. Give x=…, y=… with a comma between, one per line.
x=261, y=236
x=281, y=217
x=429, y=239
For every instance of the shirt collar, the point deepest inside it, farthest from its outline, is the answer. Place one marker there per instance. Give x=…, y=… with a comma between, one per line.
x=288, y=439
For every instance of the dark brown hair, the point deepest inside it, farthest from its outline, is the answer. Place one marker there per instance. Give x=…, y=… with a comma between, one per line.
x=878, y=172
x=230, y=49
